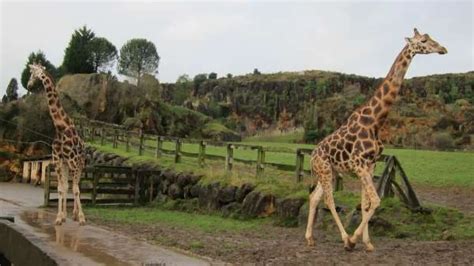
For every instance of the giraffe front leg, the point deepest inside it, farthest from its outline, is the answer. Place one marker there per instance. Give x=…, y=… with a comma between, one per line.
x=60, y=189
x=364, y=210
x=77, y=198
x=66, y=189
x=373, y=201
x=314, y=200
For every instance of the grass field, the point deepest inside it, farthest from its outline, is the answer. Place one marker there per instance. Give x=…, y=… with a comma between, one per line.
x=433, y=168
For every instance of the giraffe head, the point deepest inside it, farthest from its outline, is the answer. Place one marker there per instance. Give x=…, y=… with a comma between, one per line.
x=423, y=44
x=37, y=71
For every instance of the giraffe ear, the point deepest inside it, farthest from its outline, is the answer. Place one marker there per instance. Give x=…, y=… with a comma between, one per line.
x=409, y=41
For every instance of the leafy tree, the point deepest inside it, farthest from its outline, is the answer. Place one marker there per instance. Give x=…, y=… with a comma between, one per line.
x=39, y=58
x=229, y=75
x=198, y=80
x=102, y=54
x=213, y=75
x=4, y=99
x=256, y=72
x=138, y=56
x=182, y=89
x=78, y=54
x=12, y=91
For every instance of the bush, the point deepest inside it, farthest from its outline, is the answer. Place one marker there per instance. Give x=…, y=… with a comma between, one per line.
x=443, y=141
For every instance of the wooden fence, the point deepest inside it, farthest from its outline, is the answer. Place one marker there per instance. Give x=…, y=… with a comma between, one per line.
x=387, y=183
x=104, y=184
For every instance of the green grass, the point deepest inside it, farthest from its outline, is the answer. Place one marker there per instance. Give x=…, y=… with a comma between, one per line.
x=292, y=137
x=433, y=168
x=156, y=215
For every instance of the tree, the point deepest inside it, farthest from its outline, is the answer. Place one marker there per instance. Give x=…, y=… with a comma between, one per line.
x=78, y=55
x=198, y=80
x=38, y=58
x=12, y=91
x=256, y=72
x=213, y=75
x=138, y=56
x=229, y=75
x=103, y=54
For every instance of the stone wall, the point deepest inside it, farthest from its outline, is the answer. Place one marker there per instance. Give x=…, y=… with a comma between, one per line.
x=239, y=201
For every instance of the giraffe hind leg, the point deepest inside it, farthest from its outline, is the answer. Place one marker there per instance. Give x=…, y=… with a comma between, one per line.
x=60, y=189
x=314, y=199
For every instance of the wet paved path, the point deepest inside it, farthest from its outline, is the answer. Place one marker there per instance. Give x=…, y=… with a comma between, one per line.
x=81, y=245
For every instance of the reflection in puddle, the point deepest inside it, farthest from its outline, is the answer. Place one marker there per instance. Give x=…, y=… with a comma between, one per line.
x=68, y=235
x=101, y=246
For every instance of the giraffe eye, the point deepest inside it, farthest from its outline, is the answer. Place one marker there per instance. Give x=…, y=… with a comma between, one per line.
x=423, y=41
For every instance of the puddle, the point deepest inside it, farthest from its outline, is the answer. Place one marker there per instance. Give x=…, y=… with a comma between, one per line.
x=102, y=246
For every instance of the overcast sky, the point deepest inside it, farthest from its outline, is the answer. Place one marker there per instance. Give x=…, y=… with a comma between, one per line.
x=236, y=37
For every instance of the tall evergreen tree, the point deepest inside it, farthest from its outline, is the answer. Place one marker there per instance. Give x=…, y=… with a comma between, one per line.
x=12, y=90
x=77, y=57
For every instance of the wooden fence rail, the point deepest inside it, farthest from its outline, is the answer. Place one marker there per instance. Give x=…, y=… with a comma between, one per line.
x=387, y=183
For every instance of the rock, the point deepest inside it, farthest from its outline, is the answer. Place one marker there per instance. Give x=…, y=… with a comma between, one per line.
x=169, y=175
x=110, y=156
x=118, y=161
x=226, y=195
x=241, y=192
x=183, y=179
x=208, y=196
x=175, y=191
x=195, y=191
x=256, y=204
x=231, y=208
x=187, y=192
x=288, y=208
x=164, y=184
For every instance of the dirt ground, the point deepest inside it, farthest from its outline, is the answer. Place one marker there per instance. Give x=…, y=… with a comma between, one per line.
x=277, y=245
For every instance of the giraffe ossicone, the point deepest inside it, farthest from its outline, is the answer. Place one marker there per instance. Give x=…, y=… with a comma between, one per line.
x=355, y=147
x=67, y=149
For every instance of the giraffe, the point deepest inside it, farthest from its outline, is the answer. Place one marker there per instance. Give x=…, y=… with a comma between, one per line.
x=355, y=146
x=68, y=155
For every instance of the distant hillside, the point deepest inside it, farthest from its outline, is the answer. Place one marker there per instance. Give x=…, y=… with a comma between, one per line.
x=433, y=111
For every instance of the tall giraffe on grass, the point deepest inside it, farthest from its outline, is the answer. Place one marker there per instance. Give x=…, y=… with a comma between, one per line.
x=355, y=146
x=68, y=147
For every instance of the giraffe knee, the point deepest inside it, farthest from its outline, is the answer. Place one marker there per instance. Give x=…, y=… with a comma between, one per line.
x=374, y=202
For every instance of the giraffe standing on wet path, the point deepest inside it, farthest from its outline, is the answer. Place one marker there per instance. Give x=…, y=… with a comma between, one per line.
x=355, y=146
x=68, y=147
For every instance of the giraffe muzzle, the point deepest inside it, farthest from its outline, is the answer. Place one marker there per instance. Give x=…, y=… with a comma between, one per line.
x=443, y=50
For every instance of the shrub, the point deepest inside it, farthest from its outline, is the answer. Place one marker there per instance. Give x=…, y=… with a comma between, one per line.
x=443, y=141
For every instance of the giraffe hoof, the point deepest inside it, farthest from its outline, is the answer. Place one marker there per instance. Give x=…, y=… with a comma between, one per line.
x=369, y=247
x=81, y=223
x=58, y=221
x=349, y=245
x=310, y=242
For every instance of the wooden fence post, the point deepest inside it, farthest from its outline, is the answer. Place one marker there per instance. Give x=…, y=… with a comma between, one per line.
x=140, y=147
x=127, y=141
x=95, y=183
x=159, y=146
x=202, y=153
x=92, y=135
x=137, y=187
x=114, y=144
x=102, y=136
x=339, y=183
x=229, y=159
x=299, y=165
x=177, y=153
x=260, y=161
x=46, y=185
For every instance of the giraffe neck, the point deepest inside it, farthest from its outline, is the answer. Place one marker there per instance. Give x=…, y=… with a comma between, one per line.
x=387, y=92
x=56, y=110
